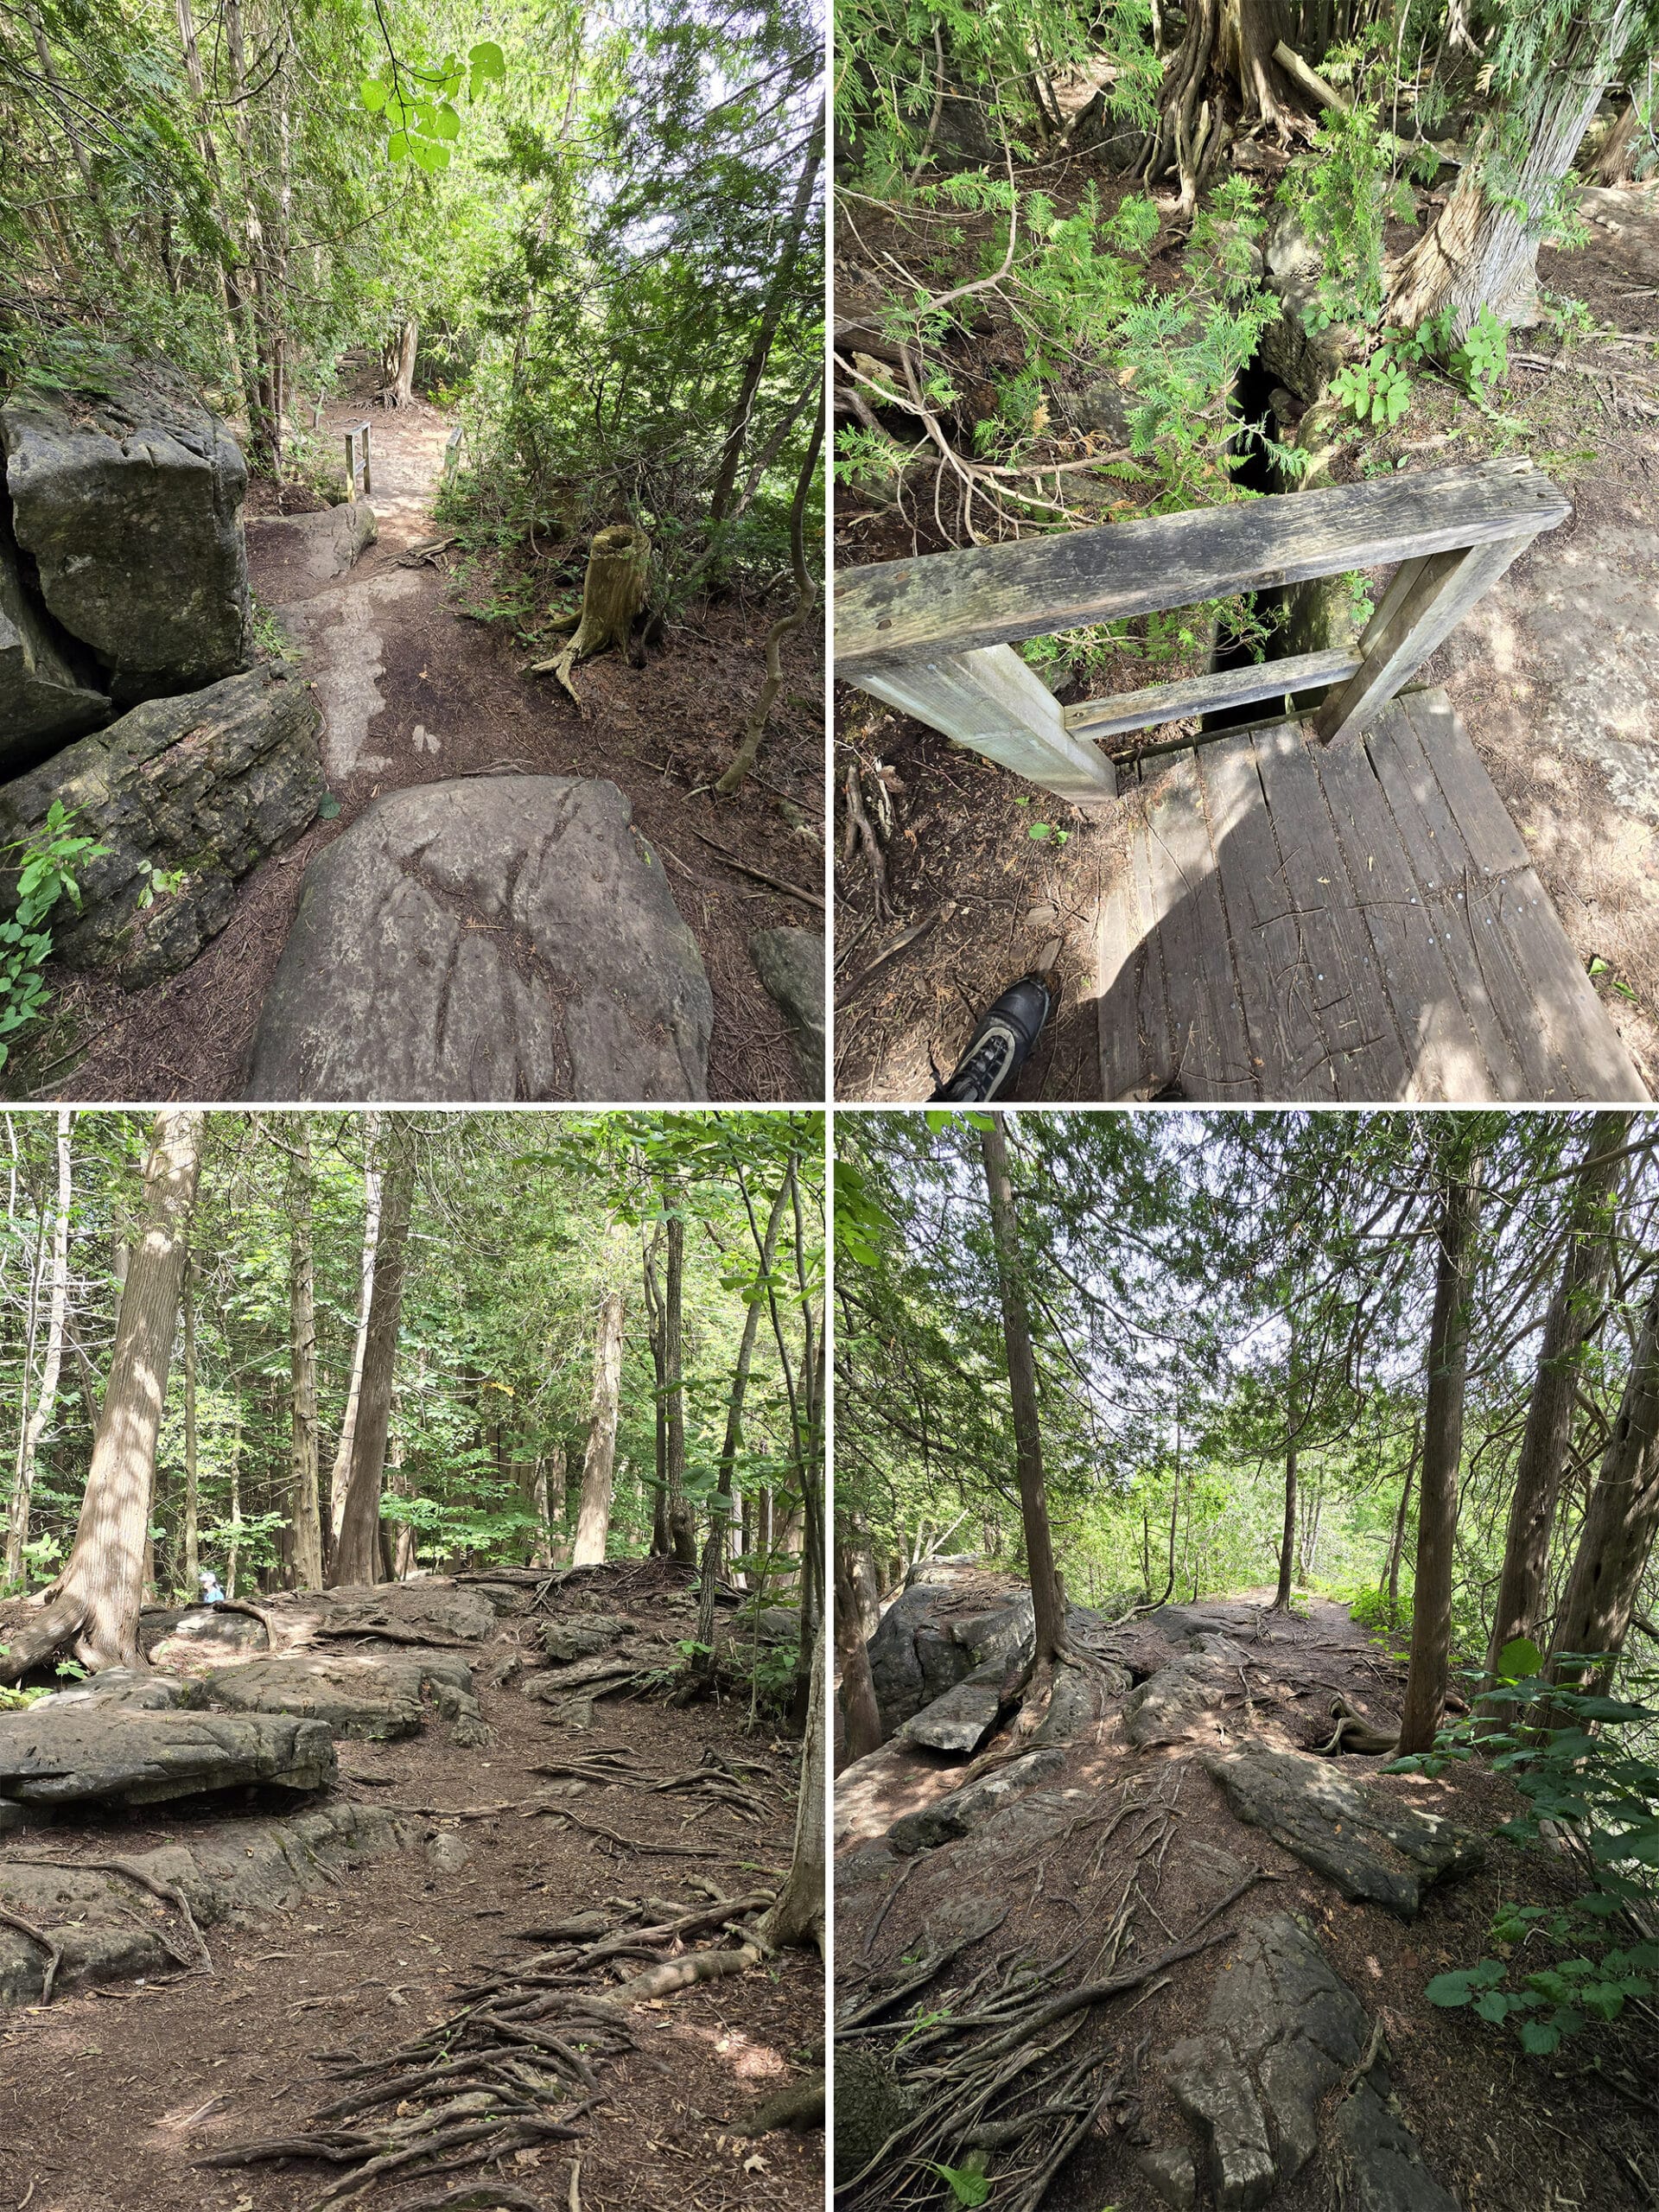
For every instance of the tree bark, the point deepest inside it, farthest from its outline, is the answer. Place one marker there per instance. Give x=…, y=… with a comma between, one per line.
x=720, y=1513
x=1480, y=253
x=1281, y=1596
x=402, y=388
x=1398, y=1545
x=192, y=1442
x=34, y=1426
x=1613, y=163
x=1448, y=1359
x=660, y=1537
x=799, y=1915
x=1574, y=1313
x=341, y=1471
x=93, y=1607
x=549, y=1475
x=1048, y=1606
x=594, y=1515
x=861, y=1716
x=681, y=1529
x=1619, y=1524
x=786, y=625
x=304, y=1513
x=612, y=593
x=357, y=1555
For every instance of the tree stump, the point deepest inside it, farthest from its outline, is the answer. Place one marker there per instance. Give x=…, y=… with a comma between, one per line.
x=612, y=594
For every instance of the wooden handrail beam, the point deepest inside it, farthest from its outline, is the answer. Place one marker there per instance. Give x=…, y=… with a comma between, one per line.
x=1122, y=711
x=897, y=613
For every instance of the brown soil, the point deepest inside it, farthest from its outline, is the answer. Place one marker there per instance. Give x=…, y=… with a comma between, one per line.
x=108, y=2097
x=663, y=734
x=1503, y=2132
x=1555, y=674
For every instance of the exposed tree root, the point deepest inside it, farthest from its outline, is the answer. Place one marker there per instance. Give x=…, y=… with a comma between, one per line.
x=517, y=2064
x=198, y=1959
x=49, y=1944
x=1356, y=1733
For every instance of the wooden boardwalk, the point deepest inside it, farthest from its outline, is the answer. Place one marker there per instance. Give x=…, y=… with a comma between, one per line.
x=1361, y=921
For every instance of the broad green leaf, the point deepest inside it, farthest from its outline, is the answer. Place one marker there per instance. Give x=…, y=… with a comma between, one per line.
x=1521, y=1656
x=373, y=93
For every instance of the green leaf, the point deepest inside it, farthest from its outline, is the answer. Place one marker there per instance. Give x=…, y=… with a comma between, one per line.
x=373, y=93
x=429, y=155
x=1519, y=1657
x=967, y=2188
x=328, y=806
x=397, y=147
x=1040, y=830
x=446, y=123
x=1539, y=2038
x=488, y=66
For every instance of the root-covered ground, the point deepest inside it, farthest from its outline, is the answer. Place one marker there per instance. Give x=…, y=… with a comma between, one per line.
x=466, y=1994
x=1089, y=1974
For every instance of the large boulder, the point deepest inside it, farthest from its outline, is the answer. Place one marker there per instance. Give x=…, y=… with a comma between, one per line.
x=1376, y=1849
x=934, y=1635
x=790, y=962
x=374, y=1697
x=59, y=1752
x=1283, y=2032
x=201, y=787
x=131, y=503
x=45, y=700
x=111, y=1927
x=970, y=1808
x=494, y=938
x=424, y=1611
x=1180, y=1702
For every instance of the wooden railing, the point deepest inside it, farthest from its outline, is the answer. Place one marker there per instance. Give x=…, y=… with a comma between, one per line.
x=934, y=636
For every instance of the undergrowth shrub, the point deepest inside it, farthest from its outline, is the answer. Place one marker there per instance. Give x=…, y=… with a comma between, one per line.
x=1598, y=1795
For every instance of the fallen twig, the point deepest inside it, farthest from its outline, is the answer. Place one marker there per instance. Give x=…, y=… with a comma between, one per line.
x=759, y=874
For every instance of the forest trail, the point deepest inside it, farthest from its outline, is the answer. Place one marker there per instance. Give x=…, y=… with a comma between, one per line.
x=1268, y=1919
x=414, y=692
x=111, y=2094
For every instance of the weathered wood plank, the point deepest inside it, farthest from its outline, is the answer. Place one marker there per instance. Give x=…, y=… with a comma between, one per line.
x=1445, y=589
x=1275, y=966
x=1513, y=912
x=1492, y=989
x=1152, y=1020
x=1445, y=1059
x=1211, y=1043
x=992, y=703
x=897, y=612
x=1122, y=953
x=1208, y=695
x=1368, y=1059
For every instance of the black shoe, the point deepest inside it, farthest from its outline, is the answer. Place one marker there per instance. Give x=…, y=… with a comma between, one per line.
x=1002, y=1045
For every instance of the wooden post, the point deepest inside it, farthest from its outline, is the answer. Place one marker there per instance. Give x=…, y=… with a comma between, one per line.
x=368, y=479
x=351, y=467
x=991, y=702
x=1423, y=605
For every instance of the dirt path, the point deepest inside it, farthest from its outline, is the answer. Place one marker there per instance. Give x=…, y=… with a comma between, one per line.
x=1121, y=1845
x=413, y=691
x=107, y=2097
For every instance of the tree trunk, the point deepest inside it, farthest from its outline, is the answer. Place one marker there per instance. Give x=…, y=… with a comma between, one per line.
x=681, y=1529
x=371, y=1194
x=34, y=1426
x=612, y=593
x=1398, y=1545
x=1574, y=1313
x=772, y=314
x=1480, y=253
x=303, y=1508
x=1618, y=1525
x=1048, y=1605
x=594, y=1515
x=862, y=1575
x=1437, y=1515
x=659, y=1538
x=1612, y=164
x=1224, y=59
x=93, y=1607
x=547, y=1477
x=357, y=1555
x=799, y=1915
x=860, y=1715
x=1281, y=1596
x=192, y=1443
x=720, y=1514
x=402, y=387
